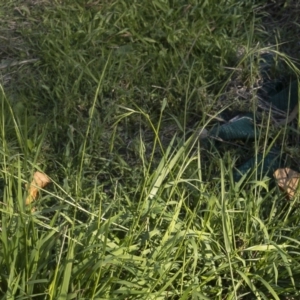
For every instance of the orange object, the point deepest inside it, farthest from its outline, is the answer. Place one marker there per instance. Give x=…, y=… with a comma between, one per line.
x=287, y=180
x=40, y=180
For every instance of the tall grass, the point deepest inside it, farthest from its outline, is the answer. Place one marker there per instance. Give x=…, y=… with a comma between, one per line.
x=139, y=207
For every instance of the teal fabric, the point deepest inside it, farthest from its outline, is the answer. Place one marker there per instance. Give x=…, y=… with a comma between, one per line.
x=287, y=99
x=264, y=165
x=243, y=128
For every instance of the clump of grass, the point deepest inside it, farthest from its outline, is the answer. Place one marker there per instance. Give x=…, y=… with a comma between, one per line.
x=139, y=206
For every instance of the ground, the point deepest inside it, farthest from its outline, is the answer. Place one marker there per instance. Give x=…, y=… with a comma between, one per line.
x=107, y=98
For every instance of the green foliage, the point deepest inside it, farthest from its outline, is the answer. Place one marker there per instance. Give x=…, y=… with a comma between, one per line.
x=100, y=95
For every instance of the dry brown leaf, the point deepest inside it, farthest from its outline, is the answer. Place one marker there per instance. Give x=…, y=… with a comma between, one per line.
x=40, y=180
x=287, y=180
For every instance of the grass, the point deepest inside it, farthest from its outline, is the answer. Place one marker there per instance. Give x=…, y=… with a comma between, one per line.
x=108, y=98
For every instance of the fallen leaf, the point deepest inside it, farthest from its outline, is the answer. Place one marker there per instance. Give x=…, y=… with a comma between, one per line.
x=40, y=180
x=287, y=180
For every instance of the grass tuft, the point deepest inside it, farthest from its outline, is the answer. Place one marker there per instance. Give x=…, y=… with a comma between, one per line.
x=109, y=99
